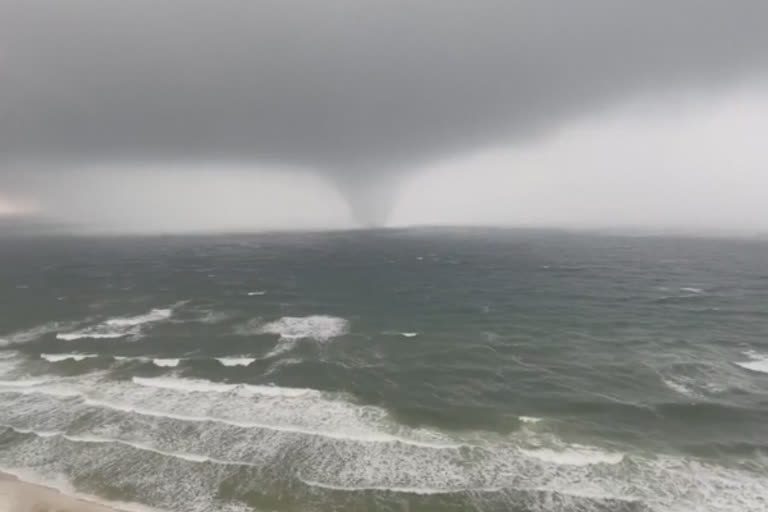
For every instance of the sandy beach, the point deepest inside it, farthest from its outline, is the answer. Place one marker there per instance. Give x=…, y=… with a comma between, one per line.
x=19, y=496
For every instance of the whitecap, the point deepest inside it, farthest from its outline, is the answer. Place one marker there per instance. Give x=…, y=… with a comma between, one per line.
x=692, y=290
x=141, y=359
x=27, y=335
x=55, y=358
x=88, y=333
x=316, y=327
x=574, y=455
x=409, y=334
x=284, y=345
x=154, y=315
x=235, y=361
x=118, y=327
x=679, y=387
x=529, y=419
x=755, y=366
x=257, y=293
x=758, y=363
x=165, y=363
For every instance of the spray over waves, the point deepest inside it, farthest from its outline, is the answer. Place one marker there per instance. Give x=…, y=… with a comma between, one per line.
x=119, y=327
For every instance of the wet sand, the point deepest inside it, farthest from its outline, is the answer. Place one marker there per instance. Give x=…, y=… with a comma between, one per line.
x=19, y=496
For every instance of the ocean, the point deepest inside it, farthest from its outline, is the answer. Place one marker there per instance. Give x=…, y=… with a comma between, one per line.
x=388, y=370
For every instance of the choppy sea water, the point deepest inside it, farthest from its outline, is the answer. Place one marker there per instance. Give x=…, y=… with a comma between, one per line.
x=399, y=370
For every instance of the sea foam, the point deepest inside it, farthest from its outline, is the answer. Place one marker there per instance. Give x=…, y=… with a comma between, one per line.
x=574, y=455
x=203, y=386
x=118, y=327
x=316, y=327
x=328, y=444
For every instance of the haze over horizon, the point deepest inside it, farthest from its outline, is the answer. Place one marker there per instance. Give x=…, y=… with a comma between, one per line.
x=151, y=117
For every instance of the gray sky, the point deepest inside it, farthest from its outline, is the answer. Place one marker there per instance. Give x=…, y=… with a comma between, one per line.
x=158, y=114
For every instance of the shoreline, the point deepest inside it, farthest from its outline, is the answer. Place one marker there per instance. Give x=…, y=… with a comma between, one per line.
x=17, y=495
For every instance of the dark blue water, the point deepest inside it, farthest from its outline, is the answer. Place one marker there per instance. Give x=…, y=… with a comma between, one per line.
x=401, y=370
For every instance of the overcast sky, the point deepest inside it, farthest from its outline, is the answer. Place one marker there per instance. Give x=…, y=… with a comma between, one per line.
x=166, y=115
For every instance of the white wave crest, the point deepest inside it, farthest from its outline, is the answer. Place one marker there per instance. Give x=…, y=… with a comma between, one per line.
x=680, y=387
x=316, y=327
x=758, y=363
x=692, y=290
x=118, y=327
x=34, y=333
x=166, y=363
x=153, y=316
x=409, y=334
x=235, y=361
x=55, y=358
x=256, y=293
x=284, y=345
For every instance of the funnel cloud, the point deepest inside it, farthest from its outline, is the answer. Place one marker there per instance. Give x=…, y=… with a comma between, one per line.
x=360, y=93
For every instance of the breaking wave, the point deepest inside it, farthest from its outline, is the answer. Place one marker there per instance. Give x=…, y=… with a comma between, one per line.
x=55, y=358
x=758, y=362
x=235, y=361
x=165, y=362
x=118, y=327
x=315, y=327
x=34, y=333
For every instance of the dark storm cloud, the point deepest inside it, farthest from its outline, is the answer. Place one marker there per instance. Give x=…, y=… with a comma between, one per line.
x=352, y=87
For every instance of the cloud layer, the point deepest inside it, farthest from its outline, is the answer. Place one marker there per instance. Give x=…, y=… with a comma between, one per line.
x=359, y=91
